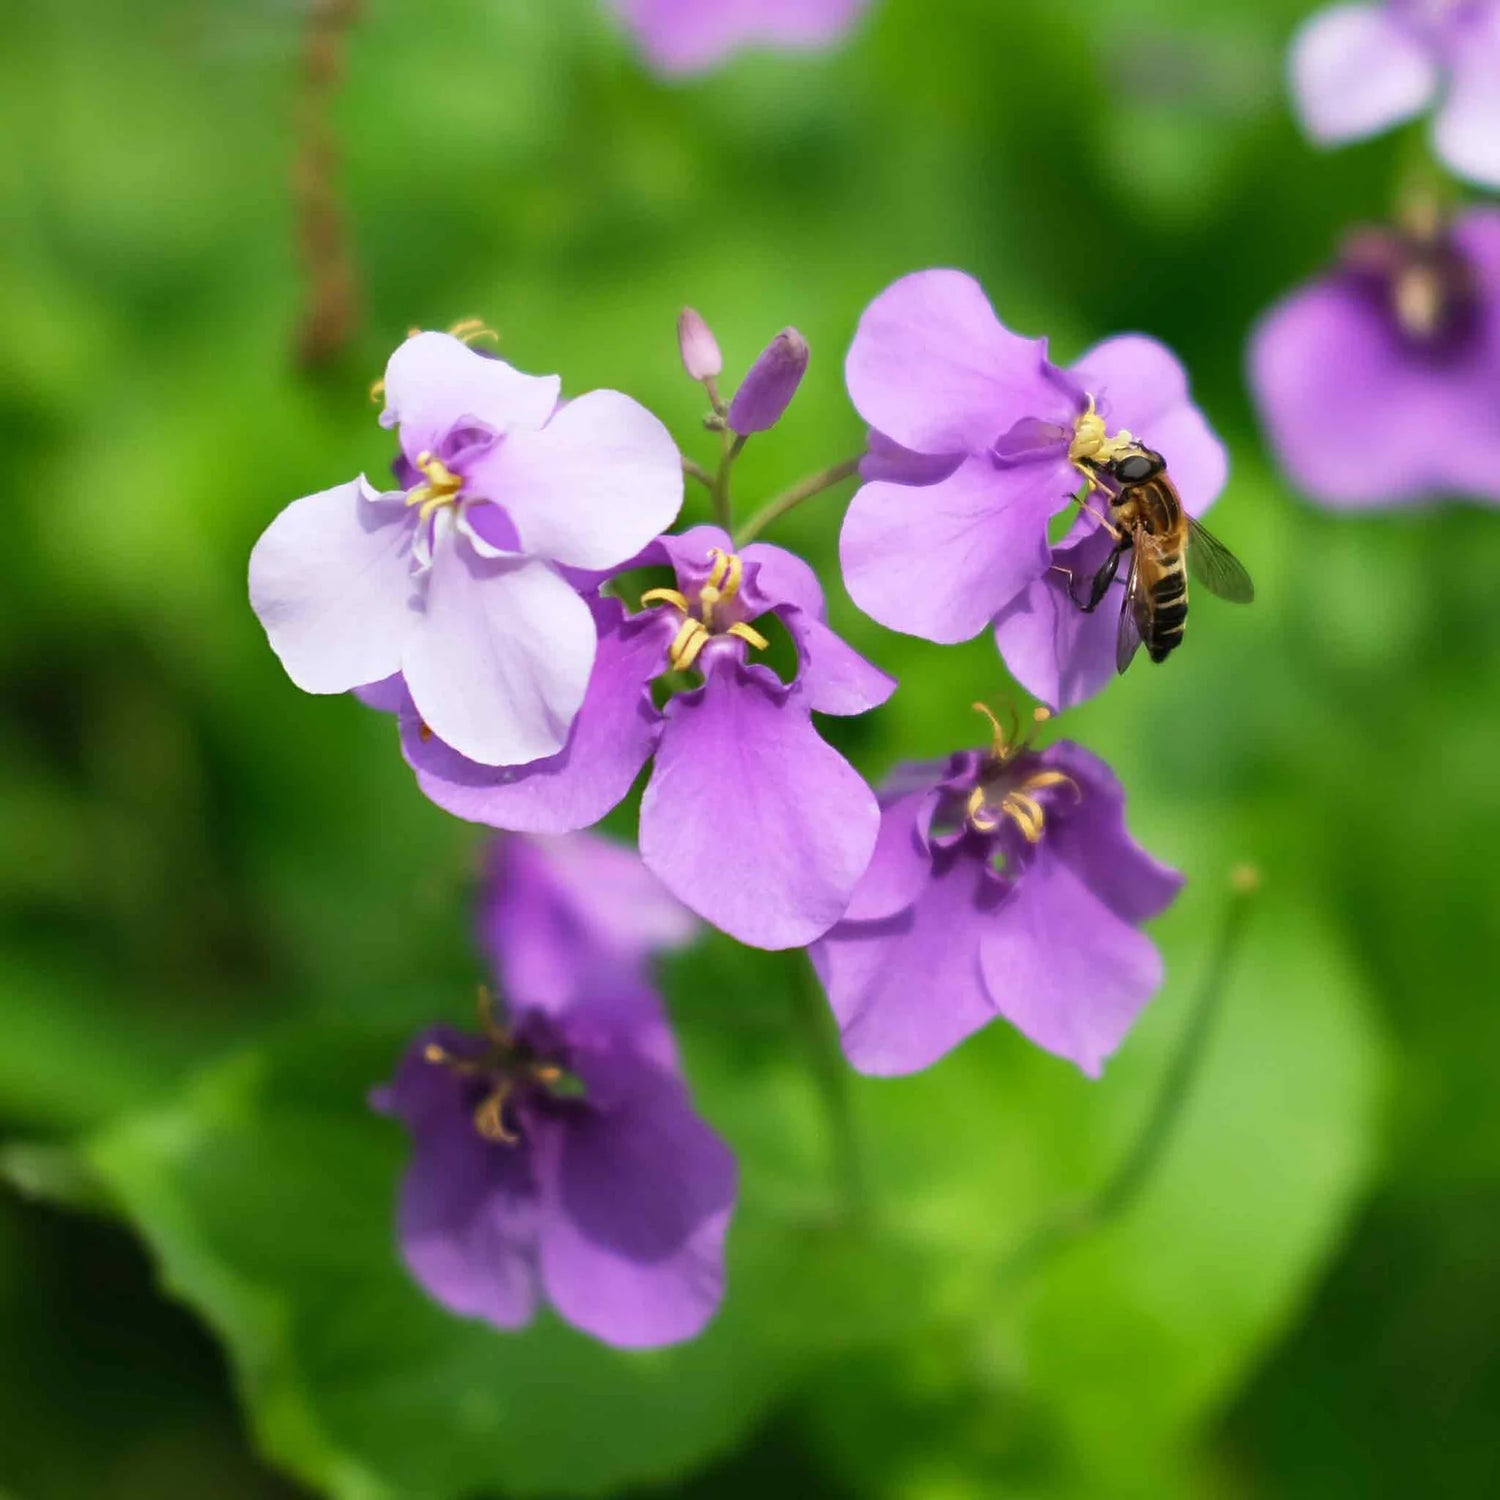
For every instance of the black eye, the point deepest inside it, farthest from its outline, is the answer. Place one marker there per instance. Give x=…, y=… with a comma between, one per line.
x=1136, y=468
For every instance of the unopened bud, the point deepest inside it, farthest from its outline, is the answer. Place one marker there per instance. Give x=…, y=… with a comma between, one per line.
x=769, y=387
x=700, y=349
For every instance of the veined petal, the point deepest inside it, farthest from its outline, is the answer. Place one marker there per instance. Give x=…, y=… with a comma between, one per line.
x=592, y=487
x=943, y=560
x=750, y=818
x=611, y=738
x=906, y=990
x=434, y=380
x=500, y=665
x=1063, y=968
x=901, y=865
x=834, y=677
x=638, y=1196
x=1356, y=70
x=932, y=368
x=1051, y=647
x=330, y=579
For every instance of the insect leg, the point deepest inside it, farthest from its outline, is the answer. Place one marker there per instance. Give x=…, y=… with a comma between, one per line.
x=1103, y=578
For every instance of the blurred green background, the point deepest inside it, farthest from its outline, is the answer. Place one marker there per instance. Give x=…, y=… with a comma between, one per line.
x=225, y=905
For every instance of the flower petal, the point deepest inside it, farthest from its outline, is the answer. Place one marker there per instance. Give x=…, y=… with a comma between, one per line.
x=638, y=1199
x=1357, y=70
x=934, y=370
x=556, y=912
x=1390, y=426
x=467, y=1214
x=943, y=560
x=1051, y=647
x=901, y=864
x=687, y=36
x=501, y=662
x=834, y=677
x=1140, y=385
x=434, y=380
x=750, y=818
x=331, y=580
x=611, y=738
x=907, y=990
x=592, y=487
x=1467, y=129
x=784, y=578
x=888, y=460
x=1063, y=968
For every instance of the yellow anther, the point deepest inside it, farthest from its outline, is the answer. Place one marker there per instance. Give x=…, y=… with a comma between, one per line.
x=665, y=596
x=1092, y=443
x=469, y=329
x=441, y=489
x=489, y=1116
x=690, y=640
x=1041, y=780
x=979, y=812
x=747, y=633
x=377, y=389
x=999, y=741
x=1026, y=814
x=724, y=577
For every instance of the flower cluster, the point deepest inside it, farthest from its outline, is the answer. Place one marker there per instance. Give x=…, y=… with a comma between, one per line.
x=519, y=606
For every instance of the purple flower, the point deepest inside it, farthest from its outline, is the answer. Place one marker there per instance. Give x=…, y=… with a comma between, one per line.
x=1004, y=884
x=1356, y=70
x=767, y=390
x=557, y=914
x=976, y=436
x=559, y=1155
x=1380, y=383
x=749, y=819
x=692, y=36
x=454, y=580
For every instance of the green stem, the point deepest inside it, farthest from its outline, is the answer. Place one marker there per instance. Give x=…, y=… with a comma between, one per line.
x=723, y=508
x=1124, y=1185
x=805, y=489
x=831, y=1074
x=696, y=471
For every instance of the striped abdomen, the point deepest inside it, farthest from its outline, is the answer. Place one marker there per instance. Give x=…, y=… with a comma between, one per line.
x=1166, y=598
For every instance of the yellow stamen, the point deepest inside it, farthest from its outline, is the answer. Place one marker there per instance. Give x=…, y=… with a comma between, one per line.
x=997, y=734
x=746, y=633
x=377, y=389
x=1093, y=444
x=1043, y=779
x=489, y=1116
x=469, y=329
x=665, y=596
x=1026, y=814
x=690, y=640
x=441, y=489
x=979, y=813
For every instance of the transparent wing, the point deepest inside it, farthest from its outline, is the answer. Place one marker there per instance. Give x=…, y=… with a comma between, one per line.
x=1132, y=611
x=1213, y=565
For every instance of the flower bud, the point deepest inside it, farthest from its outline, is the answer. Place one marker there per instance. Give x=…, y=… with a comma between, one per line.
x=700, y=349
x=769, y=387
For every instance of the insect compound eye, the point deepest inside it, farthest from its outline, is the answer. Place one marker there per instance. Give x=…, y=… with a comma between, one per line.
x=1136, y=468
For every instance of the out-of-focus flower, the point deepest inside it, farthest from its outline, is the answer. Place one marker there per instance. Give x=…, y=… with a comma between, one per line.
x=454, y=580
x=767, y=391
x=698, y=346
x=692, y=36
x=975, y=439
x=1003, y=884
x=1379, y=384
x=558, y=915
x=559, y=1155
x=1358, y=69
x=749, y=819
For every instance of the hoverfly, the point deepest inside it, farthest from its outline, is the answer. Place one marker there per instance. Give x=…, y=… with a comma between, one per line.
x=1166, y=544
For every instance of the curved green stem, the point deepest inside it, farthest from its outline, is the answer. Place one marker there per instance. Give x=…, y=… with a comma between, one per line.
x=1124, y=1185
x=814, y=484
x=723, y=507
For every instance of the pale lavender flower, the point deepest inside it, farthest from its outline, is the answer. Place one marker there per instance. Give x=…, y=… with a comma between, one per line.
x=1359, y=69
x=975, y=432
x=558, y=1155
x=455, y=579
x=692, y=36
x=698, y=346
x=750, y=819
x=1003, y=884
x=1379, y=384
x=768, y=388
x=557, y=915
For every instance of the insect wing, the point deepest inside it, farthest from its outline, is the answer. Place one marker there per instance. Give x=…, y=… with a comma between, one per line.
x=1132, y=615
x=1213, y=565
